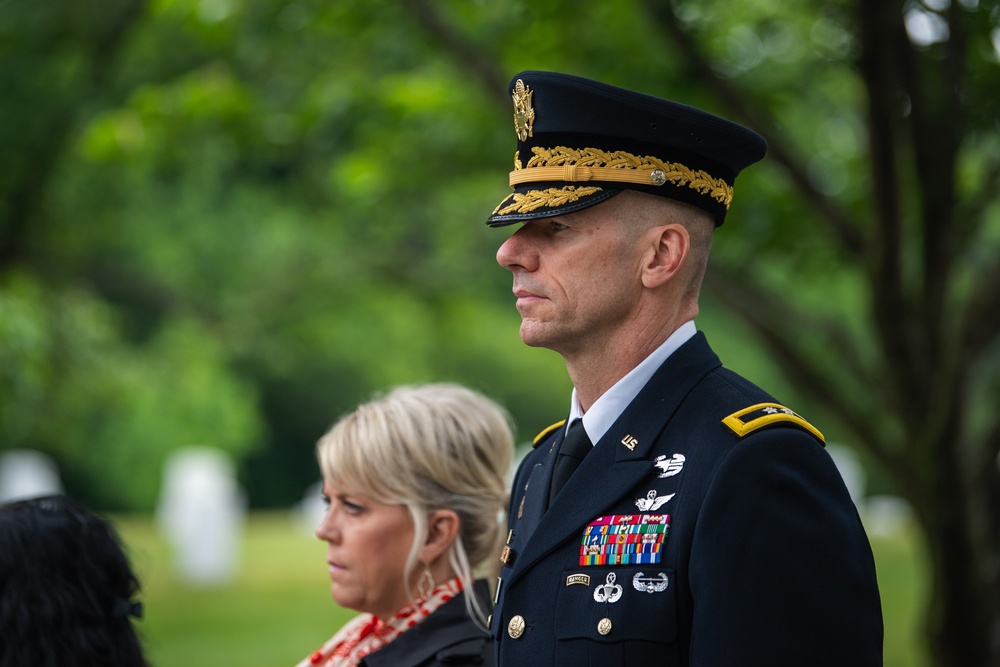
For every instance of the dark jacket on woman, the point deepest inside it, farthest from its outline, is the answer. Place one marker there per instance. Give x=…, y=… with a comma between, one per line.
x=447, y=638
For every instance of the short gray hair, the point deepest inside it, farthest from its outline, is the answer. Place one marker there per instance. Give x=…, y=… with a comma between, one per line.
x=644, y=210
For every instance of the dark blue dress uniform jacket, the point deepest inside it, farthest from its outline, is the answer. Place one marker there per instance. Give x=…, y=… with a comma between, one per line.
x=765, y=561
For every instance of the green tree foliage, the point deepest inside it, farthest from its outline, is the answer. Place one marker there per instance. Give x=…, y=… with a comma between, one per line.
x=286, y=196
x=892, y=152
x=226, y=223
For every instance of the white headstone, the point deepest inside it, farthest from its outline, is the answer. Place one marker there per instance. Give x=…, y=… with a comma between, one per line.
x=850, y=470
x=202, y=511
x=887, y=516
x=310, y=510
x=25, y=473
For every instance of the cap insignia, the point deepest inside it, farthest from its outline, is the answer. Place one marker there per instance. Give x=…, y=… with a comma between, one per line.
x=524, y=114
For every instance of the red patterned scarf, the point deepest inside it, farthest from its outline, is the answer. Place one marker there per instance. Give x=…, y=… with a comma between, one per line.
x=368, y=633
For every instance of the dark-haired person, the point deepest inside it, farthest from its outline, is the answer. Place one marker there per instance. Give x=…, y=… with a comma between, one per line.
x=682, y=516
x=67, y=591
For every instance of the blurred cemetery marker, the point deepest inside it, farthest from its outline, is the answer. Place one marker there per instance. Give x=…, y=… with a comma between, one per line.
x=309, y=511
x=202, y=511
x=26, y=473
x=883, y=515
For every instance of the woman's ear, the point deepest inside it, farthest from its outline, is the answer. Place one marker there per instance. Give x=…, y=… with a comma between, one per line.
x=442, y=529
x=669, y=245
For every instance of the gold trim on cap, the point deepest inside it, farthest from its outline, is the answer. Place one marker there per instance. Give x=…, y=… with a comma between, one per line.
x=573, y=173
x=535, y=199
x=592, y=164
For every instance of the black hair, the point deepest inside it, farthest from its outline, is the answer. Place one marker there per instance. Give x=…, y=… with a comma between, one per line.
x=67, y=590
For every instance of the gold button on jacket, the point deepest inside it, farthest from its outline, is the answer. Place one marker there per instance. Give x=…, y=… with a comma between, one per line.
x=516, y=627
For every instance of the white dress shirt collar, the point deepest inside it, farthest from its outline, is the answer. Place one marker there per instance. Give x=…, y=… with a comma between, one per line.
x=612, y=403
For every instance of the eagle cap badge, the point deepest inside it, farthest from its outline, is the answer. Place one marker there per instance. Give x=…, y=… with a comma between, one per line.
x=524, y=113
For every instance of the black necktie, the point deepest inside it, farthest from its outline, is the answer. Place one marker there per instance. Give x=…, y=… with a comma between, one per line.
x=574, y=447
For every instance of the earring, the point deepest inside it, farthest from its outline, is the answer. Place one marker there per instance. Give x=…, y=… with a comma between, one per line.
x=426, y=584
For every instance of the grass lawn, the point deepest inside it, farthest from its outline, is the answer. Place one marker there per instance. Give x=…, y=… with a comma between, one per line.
x=274, y=612
x=900, y=564
x=278, y=609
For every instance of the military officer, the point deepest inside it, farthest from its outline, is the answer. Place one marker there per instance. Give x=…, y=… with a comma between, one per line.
x=681, y=515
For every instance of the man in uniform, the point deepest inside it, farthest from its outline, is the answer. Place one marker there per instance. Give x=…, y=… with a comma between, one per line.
x=680, y=515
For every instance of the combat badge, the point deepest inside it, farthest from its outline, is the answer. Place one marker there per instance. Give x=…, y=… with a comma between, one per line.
x=645, y=584
x=668, y=467
x=524, y=114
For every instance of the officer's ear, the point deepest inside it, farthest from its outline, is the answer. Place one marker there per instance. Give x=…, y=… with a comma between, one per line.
x=442, y=529
x=667, y=247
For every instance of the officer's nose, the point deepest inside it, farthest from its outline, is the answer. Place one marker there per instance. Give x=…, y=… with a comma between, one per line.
x=517, y=252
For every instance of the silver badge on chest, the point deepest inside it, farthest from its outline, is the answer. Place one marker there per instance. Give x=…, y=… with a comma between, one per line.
x=609, y=591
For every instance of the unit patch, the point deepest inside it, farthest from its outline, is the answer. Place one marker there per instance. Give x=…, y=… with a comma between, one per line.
x=624, y=539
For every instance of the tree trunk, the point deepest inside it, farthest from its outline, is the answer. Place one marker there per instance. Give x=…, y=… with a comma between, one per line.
x=959, y=613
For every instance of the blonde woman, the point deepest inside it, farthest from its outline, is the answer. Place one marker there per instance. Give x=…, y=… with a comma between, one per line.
x=415, y=484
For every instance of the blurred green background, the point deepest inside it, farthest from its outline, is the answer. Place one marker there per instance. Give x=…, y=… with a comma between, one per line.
x=225, y=223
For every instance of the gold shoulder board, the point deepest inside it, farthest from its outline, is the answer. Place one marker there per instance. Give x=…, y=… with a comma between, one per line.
x=545, y=432
x=750, y=419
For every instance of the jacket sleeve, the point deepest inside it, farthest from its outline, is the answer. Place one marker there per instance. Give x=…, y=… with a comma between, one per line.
x=781, y=569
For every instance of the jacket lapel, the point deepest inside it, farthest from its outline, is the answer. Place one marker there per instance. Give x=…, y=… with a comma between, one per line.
x=536, y=498
x=620, y=460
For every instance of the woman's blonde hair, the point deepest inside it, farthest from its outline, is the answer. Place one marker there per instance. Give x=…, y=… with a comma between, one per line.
x=429, y=447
